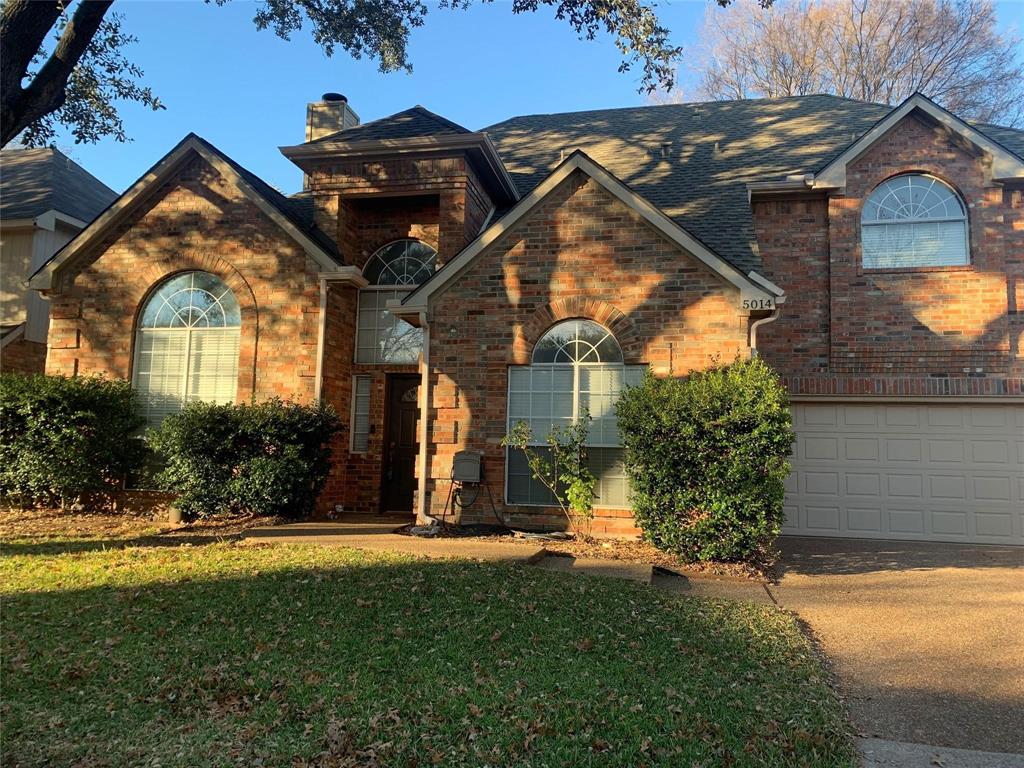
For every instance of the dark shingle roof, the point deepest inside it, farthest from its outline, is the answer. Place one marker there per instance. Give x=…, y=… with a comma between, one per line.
x=408, y=124
x=298, y=210
x=34, y=181
x=716, y=148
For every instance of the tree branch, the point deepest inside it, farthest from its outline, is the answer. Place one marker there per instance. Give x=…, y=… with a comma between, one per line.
x=48, y=89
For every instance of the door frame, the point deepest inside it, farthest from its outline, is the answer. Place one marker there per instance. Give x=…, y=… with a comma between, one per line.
x=390, y=380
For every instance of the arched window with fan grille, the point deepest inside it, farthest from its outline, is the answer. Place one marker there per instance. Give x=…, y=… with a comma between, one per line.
x=186, y=345
x=577, y=369
x=914, y=220
x=392, y=271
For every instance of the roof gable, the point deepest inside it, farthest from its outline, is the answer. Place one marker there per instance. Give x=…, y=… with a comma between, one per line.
x=750, y=286
x=695, y=161
x=1006, y=164
x=271, y=202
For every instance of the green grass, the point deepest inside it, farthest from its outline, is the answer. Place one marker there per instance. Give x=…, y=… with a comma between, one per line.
x=224, y=654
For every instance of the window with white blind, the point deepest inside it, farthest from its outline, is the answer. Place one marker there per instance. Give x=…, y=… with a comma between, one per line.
x=361, y=388
x=186, y=348
x=577, y=368
x=392, y=272
x=914, y=220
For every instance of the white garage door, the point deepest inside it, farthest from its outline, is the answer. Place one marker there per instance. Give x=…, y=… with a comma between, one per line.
x=927, y=472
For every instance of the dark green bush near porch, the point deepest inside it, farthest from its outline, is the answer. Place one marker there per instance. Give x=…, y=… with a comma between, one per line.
x=706, y=457
x=64, y=438
x=270, y=458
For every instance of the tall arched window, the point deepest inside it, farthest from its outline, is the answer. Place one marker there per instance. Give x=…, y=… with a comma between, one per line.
x=577, y=369
x=392, y=272
x=186, y=347
x=914, y=220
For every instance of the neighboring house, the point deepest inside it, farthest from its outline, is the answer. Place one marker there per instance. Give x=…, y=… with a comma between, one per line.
x=45, y=199
x=436, y=284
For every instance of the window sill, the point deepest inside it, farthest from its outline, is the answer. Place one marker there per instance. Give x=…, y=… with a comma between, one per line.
x=915, y=270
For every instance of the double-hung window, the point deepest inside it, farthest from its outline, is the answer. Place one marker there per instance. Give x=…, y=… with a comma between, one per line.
x=914, y=220
x=577, y=369
x=186, y=347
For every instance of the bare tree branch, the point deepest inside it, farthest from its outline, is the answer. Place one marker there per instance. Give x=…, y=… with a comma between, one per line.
x=874, y=50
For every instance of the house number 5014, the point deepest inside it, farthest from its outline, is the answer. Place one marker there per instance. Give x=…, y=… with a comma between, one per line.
x=758, y=304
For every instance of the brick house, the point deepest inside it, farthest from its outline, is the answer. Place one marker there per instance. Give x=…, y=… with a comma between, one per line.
x=436, y=284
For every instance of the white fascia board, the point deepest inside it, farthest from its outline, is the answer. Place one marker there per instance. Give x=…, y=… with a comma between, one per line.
x=43, y=279
x=345, y=275
x=748, y=288
x=50, y=219
x=1005, y=164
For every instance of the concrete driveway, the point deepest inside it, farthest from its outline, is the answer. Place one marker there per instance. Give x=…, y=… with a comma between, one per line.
x=926, y=640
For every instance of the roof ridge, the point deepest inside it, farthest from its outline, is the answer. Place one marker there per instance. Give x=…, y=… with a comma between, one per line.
x=691, y=104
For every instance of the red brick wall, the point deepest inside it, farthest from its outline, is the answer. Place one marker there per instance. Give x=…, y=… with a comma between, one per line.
x=582, y=253
x=463, y=203
x=934, y=331
x=438, y=201
x=21, y=356
x=199, y=220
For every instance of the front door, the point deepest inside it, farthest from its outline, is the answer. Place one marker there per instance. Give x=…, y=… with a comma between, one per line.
x=402, y=445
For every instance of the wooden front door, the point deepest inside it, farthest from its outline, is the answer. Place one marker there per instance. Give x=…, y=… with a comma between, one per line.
x=402, y=445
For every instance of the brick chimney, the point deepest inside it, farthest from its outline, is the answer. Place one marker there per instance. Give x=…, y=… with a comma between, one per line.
x=329, y=115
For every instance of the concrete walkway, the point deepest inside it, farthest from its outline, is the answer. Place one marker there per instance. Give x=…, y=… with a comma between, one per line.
x=379, y=536
x=926, y=640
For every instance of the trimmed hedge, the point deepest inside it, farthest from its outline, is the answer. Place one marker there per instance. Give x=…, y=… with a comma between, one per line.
x=707, y=457
x=62, y=438
x=270, y=458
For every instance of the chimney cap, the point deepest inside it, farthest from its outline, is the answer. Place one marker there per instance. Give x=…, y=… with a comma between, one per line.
x=332, y=96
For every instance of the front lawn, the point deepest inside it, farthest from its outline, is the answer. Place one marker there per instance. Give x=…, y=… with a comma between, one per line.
x=226, y=654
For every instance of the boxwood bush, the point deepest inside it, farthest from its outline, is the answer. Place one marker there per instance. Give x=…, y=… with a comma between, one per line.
x=62, y=438
x=706, y=457
x=269, y=458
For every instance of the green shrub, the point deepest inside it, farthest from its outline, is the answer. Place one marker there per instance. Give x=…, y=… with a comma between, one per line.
x=62, y=438
x=707, y=457
x=271, y=458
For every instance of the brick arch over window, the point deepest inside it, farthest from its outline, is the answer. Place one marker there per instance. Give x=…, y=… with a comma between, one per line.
x=153, y=275
x=577, y=307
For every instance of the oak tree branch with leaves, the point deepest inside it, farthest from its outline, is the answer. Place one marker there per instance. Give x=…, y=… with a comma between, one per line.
x=63, y=63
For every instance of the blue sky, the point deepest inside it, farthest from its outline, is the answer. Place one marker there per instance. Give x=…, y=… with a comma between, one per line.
x=246, y=90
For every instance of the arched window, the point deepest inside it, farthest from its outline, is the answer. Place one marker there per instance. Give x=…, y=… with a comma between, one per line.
x=914, y=220
x=186, y=347
x=392, y=272
x=577, y=370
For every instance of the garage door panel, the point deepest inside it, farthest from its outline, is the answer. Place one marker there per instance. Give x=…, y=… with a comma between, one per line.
x=817, y=448
x=863, y=520
x=947, y=487
x=992, y=488
x=990, y=451
x=927, y=472
x=863, y=484
x=823, y=519
x=903, y=449
x=861, y=449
